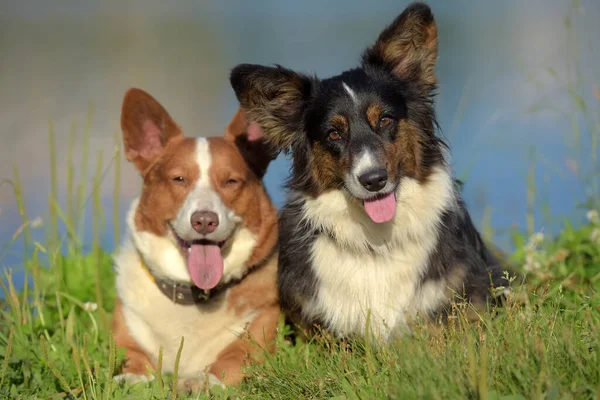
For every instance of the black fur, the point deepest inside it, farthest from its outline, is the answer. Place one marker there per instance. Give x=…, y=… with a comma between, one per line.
x=297, y=283
x=258, y=154
x=461, y=250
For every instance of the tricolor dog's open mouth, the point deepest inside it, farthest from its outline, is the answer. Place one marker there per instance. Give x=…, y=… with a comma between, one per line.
x=381, y=208
x=204, y=261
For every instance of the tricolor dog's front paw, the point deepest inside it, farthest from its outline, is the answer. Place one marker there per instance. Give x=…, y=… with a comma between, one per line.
x=198, y=383
x=132, y=379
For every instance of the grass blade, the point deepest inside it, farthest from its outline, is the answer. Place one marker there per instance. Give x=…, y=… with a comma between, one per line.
x=116, y=192
x=53, y=195
x=70, y=176
x=158, y=376
x=112, y=362
x=77, y=362
x=83, y=171
x=7, y=354
x=176, y=370
x=96, y=223
x=13, y=298
x=70, y=326
x=53, y=368
x=22, y=210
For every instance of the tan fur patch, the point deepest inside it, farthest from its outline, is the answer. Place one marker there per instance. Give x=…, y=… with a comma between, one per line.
x=340, y=123
x=374, y=114
x=455, y=279
x=325, y=168
x=455, y=290
x=406, y=152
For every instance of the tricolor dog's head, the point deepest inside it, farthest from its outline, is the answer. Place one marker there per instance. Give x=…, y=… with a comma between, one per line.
x=362, y=131
x=198, y=193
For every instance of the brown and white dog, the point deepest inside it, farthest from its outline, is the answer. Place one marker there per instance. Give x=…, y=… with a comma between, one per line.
x=199, y=259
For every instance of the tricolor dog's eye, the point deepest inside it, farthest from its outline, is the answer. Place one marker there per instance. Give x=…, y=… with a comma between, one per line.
x=334, y=135
x=384, y=122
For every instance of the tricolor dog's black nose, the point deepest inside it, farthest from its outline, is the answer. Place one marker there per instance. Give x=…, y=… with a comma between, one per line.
x=204, y=222
x=374, y=180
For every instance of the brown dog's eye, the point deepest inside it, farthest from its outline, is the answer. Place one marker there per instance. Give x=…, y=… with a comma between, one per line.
x=385, y=122
x=334, y=135
x=179, y=179
x=232, y=182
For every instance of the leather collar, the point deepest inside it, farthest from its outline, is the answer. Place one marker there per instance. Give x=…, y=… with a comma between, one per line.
x=188, y=294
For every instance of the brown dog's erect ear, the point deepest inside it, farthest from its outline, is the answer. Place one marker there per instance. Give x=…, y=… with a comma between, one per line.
x=273, y=97
x=408, y=47
x=147, y=128
x=250, y=140
x=240, y=126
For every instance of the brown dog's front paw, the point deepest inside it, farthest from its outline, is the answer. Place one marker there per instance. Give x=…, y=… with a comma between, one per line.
x=198, y=383
x=132, y=378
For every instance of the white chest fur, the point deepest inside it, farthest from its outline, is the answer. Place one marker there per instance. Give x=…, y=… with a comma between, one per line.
x=155, y=321
x=371, y=269
x=352, y=285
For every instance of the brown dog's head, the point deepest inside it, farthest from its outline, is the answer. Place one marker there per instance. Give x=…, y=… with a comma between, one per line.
x=203, y=194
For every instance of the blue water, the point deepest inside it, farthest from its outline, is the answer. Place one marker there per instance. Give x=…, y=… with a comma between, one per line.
x=504, y=69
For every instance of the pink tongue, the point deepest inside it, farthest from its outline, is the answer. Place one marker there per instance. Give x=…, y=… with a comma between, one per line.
x=205, y=265
x=381, y=210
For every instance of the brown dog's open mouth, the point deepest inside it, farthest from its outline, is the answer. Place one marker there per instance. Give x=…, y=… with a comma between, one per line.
x=204, y=261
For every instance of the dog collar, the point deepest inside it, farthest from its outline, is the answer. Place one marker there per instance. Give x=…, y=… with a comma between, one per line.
x=187, y=294
x=183, y=293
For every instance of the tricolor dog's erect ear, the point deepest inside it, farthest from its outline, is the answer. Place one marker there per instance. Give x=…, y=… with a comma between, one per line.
x=251, y=142
x=273, y=97
x=147, y=128
x=408, y=47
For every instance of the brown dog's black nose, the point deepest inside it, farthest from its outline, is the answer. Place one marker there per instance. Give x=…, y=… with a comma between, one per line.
x=204, y=222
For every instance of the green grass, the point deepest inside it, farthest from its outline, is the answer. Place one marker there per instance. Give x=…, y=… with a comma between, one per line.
x=54, y=342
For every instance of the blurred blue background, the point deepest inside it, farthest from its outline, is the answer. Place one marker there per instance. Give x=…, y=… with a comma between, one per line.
x=518, y=95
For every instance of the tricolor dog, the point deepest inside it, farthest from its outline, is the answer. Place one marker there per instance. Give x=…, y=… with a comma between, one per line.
x=199, y=259
x=374, y=224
